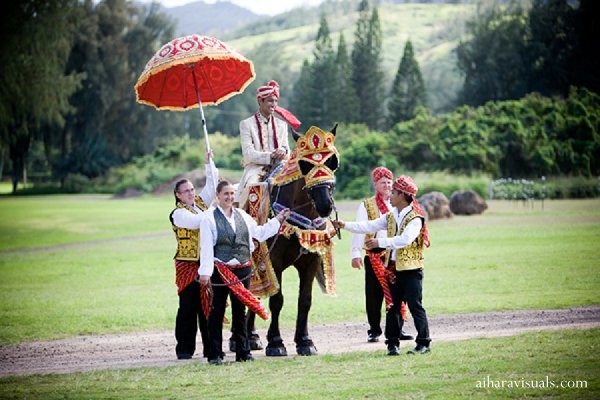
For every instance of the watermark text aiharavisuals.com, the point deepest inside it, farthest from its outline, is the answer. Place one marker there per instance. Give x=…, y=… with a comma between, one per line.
x=545, y=383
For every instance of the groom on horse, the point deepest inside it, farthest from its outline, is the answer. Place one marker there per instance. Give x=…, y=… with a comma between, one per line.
x=264, y=139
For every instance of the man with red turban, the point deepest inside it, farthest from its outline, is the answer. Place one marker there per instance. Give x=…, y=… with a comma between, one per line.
x=371, y=209
x=264, y=138
x=407, y=236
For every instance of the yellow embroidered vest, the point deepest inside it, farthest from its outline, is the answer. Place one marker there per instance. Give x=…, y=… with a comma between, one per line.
x=188, y=240
x=372, y=213
x=411, y=256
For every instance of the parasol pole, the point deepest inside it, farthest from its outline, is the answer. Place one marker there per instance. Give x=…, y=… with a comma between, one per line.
x=201, y=109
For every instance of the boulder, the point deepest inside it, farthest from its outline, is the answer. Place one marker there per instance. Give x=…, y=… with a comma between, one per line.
x=435, y=205
x=467, y=203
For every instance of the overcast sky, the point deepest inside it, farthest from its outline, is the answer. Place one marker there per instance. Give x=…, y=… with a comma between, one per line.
x=268, y=7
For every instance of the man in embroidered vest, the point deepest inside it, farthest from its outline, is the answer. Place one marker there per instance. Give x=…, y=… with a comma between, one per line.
x=185, y=220
x=225, y=247
x=407, y=234
x=370, y=209
x=264, y=140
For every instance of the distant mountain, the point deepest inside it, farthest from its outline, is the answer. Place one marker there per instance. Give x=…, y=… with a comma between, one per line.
x=202, y=18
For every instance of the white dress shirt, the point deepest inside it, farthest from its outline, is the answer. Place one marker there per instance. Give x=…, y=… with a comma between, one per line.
x=182, y=218
x=358, y=239
x=410, y=233
x=208, y=238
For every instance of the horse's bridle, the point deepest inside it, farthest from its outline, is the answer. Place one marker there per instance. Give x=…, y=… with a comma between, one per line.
x=299, y=219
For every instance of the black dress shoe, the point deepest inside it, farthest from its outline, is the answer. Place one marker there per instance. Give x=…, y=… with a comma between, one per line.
x=372, y=338
x=393, y=350
x=184, y=356
x=405, y=336
x=244, y=357
x=215, y=361
x=420, y=349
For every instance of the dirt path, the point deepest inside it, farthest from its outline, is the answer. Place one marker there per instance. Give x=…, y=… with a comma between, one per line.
x=156, y=348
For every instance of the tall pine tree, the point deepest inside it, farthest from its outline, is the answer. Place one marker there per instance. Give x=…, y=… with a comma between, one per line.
x=367, y=75
x=315, y=90
x=303, y=95
x=408, y=90
x=323, y=71
x=345, y=108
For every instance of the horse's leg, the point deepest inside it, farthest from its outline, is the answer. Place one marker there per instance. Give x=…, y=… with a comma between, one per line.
x=253, y=337
x=275, y=347
x=307, y=267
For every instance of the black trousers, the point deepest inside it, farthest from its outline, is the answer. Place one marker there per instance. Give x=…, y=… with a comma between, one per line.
x=373, y=299
x=238, y=316
x=189, y=317
x=408, y=288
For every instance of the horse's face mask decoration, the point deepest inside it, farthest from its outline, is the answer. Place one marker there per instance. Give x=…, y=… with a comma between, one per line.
x=318, y=159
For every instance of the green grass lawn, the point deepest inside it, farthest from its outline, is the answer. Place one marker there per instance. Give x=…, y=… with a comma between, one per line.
x=73, y=265
x=510, y=257
x=533, y=365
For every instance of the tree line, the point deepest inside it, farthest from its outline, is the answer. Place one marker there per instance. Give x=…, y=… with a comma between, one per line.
x=350, y=88
x=66, y=98
x=534, y=136
x=67, y=104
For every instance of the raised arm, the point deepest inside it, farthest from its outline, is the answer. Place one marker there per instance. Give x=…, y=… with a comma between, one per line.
x=209, y=190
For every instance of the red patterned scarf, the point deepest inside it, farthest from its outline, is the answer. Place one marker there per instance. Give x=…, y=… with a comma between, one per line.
x=381, y=204
x=185, y=272
x=243, y=294
x=380, y=273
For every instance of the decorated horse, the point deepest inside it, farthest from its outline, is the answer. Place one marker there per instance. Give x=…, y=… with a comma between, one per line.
x=304, y=184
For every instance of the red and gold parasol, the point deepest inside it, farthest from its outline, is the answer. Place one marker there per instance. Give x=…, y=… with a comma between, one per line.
x=192, y=71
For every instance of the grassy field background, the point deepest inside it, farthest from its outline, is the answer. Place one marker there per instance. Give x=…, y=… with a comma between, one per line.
x=93, y=264
x=73, y=265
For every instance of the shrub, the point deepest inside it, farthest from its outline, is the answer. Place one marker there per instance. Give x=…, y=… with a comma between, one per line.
x=77, y=183
x=551, y=188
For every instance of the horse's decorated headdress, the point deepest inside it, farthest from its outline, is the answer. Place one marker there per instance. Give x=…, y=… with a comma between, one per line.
x=315, y=158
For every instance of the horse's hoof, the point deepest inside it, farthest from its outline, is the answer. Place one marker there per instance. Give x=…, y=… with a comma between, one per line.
x=276, y=351
x=306, y=347
x=254, y=342
x=276, y=348
x=306, y=350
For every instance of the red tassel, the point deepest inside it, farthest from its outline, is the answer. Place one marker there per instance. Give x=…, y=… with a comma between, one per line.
x=206, y=294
